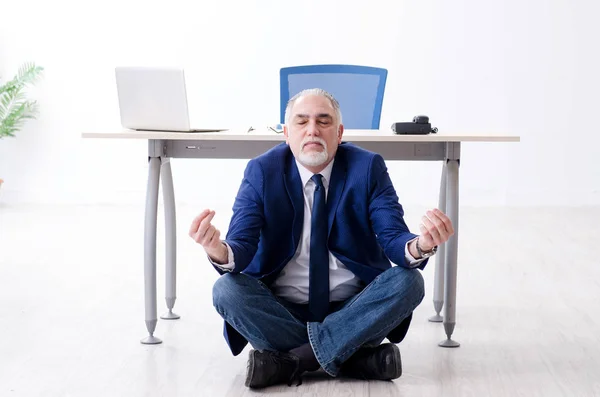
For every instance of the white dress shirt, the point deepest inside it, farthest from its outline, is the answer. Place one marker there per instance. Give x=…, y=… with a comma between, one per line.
x=292, y=282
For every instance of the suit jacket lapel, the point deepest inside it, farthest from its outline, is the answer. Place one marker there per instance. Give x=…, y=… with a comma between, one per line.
x=293, y=185
x=336, y=186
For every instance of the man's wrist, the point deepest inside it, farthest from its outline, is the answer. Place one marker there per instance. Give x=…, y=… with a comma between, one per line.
x=412, y=248
x=418, y=251
x=219, y=255
x=421, y=248
x=425, y=253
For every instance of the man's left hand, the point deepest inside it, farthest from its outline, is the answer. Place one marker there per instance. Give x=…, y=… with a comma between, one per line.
x=436, y=228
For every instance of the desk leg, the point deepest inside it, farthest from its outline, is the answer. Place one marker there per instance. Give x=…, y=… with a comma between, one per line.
x=438, y=286
x=451, y=255
x=169, y=207
x=150, y=249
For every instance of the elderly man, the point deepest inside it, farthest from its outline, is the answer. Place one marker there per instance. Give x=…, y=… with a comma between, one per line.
x=318, y=266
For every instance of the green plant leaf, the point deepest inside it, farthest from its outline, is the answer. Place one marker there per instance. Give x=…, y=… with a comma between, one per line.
x=15, y=109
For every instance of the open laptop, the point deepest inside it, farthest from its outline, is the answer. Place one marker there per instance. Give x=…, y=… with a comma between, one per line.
x=155, y=99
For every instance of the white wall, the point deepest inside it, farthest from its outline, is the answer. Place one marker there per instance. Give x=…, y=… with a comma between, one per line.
x=527, y=68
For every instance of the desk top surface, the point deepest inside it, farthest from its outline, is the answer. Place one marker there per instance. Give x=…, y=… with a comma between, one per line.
x=266, y=135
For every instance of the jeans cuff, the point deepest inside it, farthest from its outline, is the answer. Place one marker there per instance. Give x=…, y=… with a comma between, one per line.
x=312, y=339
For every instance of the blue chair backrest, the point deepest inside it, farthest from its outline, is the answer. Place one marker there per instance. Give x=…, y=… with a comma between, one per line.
x=358, y=89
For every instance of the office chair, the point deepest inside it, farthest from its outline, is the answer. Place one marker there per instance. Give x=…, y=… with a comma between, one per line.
x=358, y=89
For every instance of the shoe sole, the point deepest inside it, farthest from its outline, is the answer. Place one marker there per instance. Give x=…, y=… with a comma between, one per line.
x=250, y=369
x=397, y=363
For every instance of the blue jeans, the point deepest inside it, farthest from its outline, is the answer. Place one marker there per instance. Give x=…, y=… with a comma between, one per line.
x=272, y=323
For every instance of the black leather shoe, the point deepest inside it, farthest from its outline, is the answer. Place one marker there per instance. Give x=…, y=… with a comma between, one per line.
x=382, y=362
x=266, y=368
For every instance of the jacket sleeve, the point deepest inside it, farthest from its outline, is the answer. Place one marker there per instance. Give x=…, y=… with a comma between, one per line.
x=387, y=215
x=248, y=217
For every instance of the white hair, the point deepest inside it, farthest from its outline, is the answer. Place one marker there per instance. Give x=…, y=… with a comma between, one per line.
x=313, y=159
x=313, y=91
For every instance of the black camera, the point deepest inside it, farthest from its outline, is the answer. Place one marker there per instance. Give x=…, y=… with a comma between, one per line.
x=419, y=126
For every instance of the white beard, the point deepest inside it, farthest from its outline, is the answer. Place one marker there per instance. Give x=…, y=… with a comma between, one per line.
x=313, y=159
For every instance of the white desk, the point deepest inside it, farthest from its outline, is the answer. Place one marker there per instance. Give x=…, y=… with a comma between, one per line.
x=241, y=145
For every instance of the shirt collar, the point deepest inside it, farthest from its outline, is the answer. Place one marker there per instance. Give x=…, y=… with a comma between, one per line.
x=305, y=174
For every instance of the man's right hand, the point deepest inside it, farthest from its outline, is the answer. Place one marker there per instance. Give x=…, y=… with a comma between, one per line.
x=208, y=236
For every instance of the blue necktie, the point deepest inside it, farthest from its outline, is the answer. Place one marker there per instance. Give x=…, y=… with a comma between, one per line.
x=318, y=292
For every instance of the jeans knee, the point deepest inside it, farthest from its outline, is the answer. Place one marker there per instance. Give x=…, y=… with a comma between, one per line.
x=418, y=283
x=224, y=291
x=411, y=280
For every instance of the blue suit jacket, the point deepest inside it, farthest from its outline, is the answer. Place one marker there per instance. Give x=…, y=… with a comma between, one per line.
x=365, y=220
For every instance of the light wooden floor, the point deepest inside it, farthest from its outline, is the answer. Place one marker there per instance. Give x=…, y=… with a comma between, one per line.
x=71, y=311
